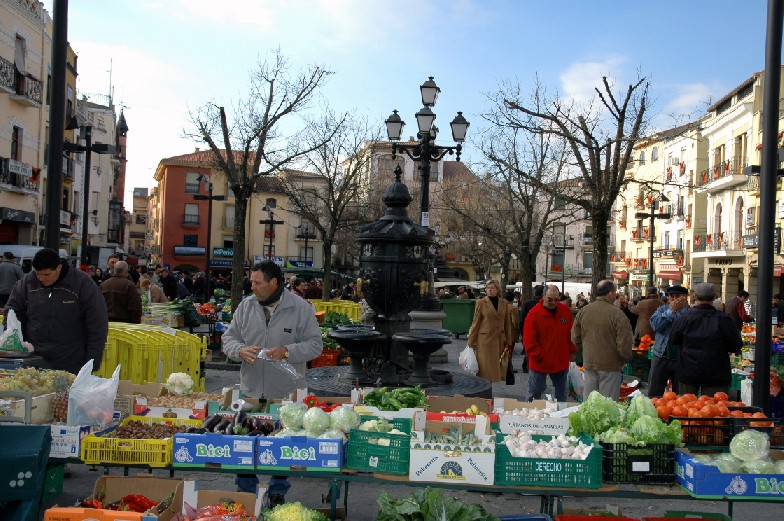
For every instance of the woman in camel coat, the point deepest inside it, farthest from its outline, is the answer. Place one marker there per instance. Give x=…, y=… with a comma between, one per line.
x=491, y=333
x=153, y=292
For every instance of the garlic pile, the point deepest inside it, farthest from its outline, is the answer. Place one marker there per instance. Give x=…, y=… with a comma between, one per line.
x=522, y=445
x=530, y=414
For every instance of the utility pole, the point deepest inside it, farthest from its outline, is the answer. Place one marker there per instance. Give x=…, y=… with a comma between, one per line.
x=271, y=222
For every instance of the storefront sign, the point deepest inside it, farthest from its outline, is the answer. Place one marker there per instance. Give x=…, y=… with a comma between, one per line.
x=17, y=167
x=217, y=263
x=280, y=261
x=750, y=241
x=17, y=215
x=223, y=252
x=189, y=251
x=299, y=264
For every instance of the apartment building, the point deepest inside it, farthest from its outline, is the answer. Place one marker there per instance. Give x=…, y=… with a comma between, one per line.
x=137, y=228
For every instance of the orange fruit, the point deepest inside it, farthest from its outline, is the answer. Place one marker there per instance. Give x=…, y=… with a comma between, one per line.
x=679, y=410
x=669, y=395
x=664, y=412
x=721, y=396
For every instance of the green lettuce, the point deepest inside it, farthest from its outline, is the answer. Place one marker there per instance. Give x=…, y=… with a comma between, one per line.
x=598, y=414
x=640, y=406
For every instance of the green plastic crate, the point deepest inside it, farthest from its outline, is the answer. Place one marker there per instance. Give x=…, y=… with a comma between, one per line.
x=371, y=457
x=53, y=482
x=639, y=366
x=652, y=464
x=536, y=472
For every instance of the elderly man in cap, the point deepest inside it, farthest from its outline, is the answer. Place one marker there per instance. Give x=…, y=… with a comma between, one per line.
x=665, y=353
x=706, y=336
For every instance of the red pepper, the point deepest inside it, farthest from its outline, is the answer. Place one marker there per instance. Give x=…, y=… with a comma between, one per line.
x=91, y=503
x=311, y=401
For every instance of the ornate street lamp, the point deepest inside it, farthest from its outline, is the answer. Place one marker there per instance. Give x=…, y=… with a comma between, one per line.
x=425, y=151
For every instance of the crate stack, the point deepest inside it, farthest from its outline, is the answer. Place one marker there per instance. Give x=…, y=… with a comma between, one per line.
x=150, y=354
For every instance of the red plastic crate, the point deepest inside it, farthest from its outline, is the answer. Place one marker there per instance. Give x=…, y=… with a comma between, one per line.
x=593, y=518
x=328, y=357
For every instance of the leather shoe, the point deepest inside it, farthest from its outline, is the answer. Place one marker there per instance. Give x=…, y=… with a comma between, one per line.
x=276, y=499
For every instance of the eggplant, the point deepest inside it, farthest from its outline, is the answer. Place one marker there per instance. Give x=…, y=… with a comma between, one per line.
x=221, y=426
x=257, y=432
x=211, y=422
x=190, y=430
x=238, y=418
x=200, y=430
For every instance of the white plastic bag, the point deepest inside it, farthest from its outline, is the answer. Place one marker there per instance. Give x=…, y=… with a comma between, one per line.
x=746, y=391
x=11, y=340
x=468, y=361
x=282, y=365
x=91, y=398
x=577, y=378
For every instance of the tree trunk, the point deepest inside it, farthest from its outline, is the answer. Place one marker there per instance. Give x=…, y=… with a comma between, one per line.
x=238, y=259
x=600, y=247
x=327, y=282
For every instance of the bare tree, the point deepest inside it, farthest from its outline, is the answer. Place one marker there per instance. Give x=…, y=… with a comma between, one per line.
x=601, y=143
x=340, y=162
x=257, y=143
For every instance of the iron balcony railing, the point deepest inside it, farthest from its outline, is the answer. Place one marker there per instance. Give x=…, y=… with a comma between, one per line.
x=726, y=168
x=15, y=180
x=7, y=75
x=720, y=241
x=190, y=220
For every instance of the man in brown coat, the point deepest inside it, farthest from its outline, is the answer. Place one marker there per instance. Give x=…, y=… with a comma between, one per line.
x=604, y=335
x=644, y=310
x=123, y=301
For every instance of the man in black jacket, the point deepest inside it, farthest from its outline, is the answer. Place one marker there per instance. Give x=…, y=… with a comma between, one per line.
x=168, y=284
x=62, y=312
x=706, y=336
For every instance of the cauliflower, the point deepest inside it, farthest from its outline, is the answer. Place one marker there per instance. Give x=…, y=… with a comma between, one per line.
x=294, y=512
x=179, y=383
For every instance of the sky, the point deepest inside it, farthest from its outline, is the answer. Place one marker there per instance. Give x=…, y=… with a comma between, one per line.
x=164, y=58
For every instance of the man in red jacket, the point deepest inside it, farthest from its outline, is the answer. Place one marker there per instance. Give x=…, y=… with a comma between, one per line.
x=548, y=345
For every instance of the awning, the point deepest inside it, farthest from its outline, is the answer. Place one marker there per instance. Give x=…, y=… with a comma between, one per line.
x=622, y=275
x=670, y=275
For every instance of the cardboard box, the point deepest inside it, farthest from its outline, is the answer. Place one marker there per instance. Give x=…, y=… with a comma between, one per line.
x=707, y=482
x=509, y=422
x=299, y=453
x=40, y=411
x=67, y=439
x=165, y=320
x=454, y=408
x=450, y=463
x=109, y=489
x=140, y=408
x=127, y=392
x=214, y=451
x=188, y=497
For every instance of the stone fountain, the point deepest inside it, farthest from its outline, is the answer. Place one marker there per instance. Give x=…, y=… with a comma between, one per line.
x=393, y=277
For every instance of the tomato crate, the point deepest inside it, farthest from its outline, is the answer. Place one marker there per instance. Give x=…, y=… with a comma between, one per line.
x=328, y=357
x=153, y=453
x=363, y=451
x=773, y=427
x=705, y=432
x=536, y=472
x=652, y=464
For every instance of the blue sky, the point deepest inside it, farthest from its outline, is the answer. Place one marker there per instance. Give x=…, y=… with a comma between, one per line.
x=167, y=56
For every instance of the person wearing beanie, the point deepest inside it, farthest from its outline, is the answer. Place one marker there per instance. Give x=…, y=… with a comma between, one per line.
x=665, y=353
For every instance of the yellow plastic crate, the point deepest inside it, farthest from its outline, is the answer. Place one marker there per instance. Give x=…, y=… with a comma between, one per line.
x=153, y=453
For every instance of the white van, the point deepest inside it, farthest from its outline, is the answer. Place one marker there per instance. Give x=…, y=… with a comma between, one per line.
x=24, y=253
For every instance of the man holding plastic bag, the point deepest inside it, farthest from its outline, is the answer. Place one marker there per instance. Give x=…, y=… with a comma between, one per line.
x=62, y=313
x=274, y=334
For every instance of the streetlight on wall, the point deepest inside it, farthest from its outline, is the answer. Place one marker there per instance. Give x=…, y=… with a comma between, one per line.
x=652, y=215
x=207, y=254
x=425, y=151
x=89, y=147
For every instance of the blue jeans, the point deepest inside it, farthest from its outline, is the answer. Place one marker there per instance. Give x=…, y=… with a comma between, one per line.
x=248, y=482
x=538, y=381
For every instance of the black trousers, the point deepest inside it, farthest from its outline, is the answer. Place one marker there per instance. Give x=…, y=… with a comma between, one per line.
x=662, y=369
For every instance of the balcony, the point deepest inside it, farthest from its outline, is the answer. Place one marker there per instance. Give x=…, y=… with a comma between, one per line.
x=721, y=244
x=17, y=176
x=269, y=234
x=637, y=235
x=621, y=257
x=190, y=220
x=27, y=89
x=7, y=76
x=722, y=176
x=586, y=239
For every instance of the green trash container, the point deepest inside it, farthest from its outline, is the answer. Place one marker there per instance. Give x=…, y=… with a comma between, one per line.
x=459, y=315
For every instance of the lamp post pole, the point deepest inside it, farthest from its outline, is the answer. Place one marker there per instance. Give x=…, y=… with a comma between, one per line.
x=88, y=140
x=271, y=222
x=208, y=253
x=425, y=151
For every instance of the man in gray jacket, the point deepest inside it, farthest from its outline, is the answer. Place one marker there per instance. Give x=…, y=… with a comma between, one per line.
x=10, y=274
x=284, y=327
x=604, y=334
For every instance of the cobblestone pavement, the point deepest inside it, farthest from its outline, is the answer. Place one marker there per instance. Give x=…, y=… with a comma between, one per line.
x=362, y=497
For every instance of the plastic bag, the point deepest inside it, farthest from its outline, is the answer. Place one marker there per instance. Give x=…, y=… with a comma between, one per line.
x=577, y=378
x=282, y=365
x=468, y=361
x=11, y=340
x=91, y=399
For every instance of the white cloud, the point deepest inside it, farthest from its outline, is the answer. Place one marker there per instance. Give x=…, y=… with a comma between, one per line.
x=690, y=98
x=580, y=79
x=254, y=14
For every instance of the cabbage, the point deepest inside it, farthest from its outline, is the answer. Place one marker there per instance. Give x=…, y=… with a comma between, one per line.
x=759, y=467
x=333, y=434
x=616, y=435
x=344, y=419
x=648, y=430
x=750, y=445
x=729, y=467
x=640, y=406
x=595, y=416
x=706, y=459
x=778, y=467
x=315, y=421
x=283, y=433
x=291, y=415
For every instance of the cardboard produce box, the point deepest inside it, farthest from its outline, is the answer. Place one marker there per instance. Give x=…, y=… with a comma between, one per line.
x=454, y=462
x=109, y=489
x=40, y=412
x=141, y=408
x=455, y=409
x=67, y=439
x=299, y=453
x=188, y=497
x=707, y=482
x=211, y=450
x=127, y=392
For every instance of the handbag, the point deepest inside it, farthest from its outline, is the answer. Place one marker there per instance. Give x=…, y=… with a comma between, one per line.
x=510, y=377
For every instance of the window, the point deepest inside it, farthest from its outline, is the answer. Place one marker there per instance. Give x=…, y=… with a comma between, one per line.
x=641, y=159
x=269, y=252
x=191, y=214
x=228, y=217
x=680, y=240
x=228, y=241
x=655, y=154
x=20, y=52
x=192, y=183
x=140, y=219
x=386, y=168
x=190, y=240
x=666, y=244
x=48, y=89
x=588, y=262
x=271, y=202
x=306, y=229
x=306, y=254
x=16, y=143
